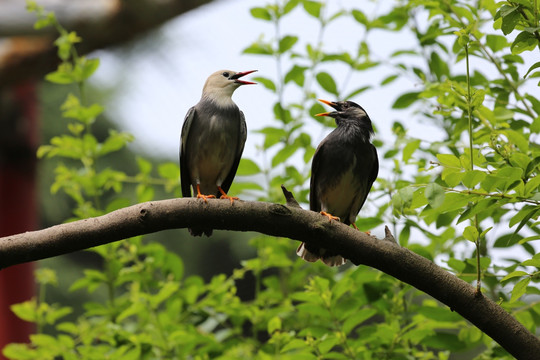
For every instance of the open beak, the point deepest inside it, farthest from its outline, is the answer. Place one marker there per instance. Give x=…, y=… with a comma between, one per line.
x=332, y=104
x=236, y=77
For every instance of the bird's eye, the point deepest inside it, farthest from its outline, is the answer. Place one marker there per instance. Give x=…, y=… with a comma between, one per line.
x=226, y=74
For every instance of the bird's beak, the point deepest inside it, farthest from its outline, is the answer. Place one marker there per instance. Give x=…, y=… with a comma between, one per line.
x=329, y=103
x=323, y=114
x=332, y=104
x=236, y=77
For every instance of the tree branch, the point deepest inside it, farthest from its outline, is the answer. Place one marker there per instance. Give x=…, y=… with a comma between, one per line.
x=285, y=221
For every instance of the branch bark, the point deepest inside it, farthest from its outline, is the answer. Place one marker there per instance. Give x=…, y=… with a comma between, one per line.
x=284, y=221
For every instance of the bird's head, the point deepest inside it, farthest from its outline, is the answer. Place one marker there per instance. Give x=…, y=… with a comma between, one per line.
x=220, y=85
x=348, y=111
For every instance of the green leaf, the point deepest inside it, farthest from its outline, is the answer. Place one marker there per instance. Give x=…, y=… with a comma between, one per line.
x=259, y=48
x=533, y=67
x=327, y=82
x=523, y=42
x=356, y=92
x=169, y=171
x=26, y=310
x=247, y=167
x=60, y=77
x=473, y=178
x=449, y=160
x=457, y=265
x=514, y=274
x=313, y=8
x=496, y=42
x=438, y=313
x=88, y=67
x=435, y=195
x=283, y=154
x=114, y=142
x=519, y=289
x=389, y=79
x=261, y=13
x=145, y=166
x=357, y=318
x=286, y=43
x=444, y=341
x=510, y=18
x=526, y=213
x=144, y=193
x=405, y=100
x=269, y=84
x=531, y=262
x=294, y=344
x=360, y=17
x=17, y=351
x=409, y=149
x=471, y=233
x=296, y=74
x=274, y=324
x=165, y=292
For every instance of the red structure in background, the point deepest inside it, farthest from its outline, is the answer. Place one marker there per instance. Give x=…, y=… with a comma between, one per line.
x=18, y=202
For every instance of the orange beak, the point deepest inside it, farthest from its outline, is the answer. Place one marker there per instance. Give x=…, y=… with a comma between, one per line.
x=329, y=103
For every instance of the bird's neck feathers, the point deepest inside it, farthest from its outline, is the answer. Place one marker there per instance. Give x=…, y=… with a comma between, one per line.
x=221, y=97
x=357, y=127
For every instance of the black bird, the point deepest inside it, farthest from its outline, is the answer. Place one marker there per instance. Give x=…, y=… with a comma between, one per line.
x=344, y=167
x=212, y=140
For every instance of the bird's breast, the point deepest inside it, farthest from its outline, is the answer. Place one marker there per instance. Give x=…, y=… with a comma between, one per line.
x=338, y=194
x=214, y=150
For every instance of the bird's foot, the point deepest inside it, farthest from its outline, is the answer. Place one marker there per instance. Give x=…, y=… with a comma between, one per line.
x=225, y=196
x=365, y=232
x=231, y=198
x=329, y=216
x=205, y=197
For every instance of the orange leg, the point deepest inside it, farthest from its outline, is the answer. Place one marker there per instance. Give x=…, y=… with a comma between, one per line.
x=204, y=197
x=329, y=216
x=356, y=227
x=225, y=196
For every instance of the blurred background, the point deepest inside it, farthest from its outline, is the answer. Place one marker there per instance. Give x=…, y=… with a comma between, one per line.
x=154, y=59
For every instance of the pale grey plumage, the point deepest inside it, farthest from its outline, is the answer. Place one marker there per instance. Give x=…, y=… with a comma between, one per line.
x=212, y=140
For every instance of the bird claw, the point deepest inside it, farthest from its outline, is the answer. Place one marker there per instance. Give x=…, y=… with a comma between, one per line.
x=365, y=232
x=231, y=198
x=205, y=197
x=330, y=216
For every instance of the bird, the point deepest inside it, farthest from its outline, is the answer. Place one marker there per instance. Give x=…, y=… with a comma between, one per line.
x=343, y=169
x=212, y=140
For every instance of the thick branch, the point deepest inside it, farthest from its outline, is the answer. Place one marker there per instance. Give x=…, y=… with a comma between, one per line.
x=285, y=221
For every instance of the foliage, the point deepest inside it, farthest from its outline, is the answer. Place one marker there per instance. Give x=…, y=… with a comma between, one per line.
x=471, y=186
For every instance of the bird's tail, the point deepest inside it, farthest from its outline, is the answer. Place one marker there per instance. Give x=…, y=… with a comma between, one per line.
x=199, y=232
x=314, y=254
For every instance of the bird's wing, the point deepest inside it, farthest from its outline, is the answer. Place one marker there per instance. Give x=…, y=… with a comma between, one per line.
x=373, y=159
x=314, y=203
x=226, y=185
x=375, y=169
x=185, y=180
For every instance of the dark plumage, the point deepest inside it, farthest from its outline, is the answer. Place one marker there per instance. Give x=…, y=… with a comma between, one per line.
x=212, y=140
x=344, y=168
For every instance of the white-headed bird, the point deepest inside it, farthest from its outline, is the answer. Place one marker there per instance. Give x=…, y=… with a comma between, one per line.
x=212, y=140
x=344, y=167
